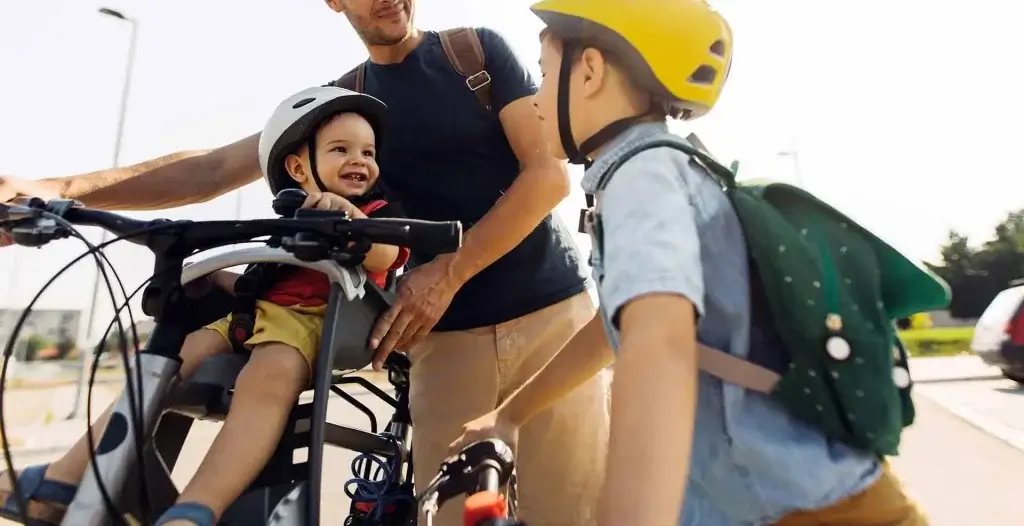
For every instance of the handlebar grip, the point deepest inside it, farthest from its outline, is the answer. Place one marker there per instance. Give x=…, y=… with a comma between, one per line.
x=434, y=237
x=287, y=201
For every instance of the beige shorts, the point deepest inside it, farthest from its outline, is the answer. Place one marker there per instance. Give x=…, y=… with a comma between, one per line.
x=458, y=376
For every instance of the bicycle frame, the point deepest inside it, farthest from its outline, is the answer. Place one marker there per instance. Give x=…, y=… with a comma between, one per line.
x=163, y=429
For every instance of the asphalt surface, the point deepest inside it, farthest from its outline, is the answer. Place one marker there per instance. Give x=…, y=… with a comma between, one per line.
x=960, y=461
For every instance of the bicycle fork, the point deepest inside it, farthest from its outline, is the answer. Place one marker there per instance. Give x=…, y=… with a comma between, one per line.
x=117, y=452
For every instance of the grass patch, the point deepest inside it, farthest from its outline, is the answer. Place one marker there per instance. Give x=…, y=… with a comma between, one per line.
x=942, y=341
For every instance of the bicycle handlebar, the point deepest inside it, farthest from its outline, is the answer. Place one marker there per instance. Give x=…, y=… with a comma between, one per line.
x=31, y=223
x=478, y=471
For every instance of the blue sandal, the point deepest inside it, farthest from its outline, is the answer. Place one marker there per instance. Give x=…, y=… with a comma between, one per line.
x=199, y=514
x=47, y=500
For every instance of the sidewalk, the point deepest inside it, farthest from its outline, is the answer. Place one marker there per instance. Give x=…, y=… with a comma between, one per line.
x=951, y=369
x=959, y=474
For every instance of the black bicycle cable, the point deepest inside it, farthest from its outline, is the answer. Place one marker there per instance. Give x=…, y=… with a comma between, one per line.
x=96, y=356
x=9, y=351
x=134, y=403
x=135, y=413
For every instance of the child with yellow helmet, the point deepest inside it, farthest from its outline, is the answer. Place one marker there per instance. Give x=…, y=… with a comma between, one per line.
x=671, y=262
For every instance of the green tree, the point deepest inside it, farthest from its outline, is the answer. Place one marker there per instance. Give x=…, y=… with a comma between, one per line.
x=976, y=275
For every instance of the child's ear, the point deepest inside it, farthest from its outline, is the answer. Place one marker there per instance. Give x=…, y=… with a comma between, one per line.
x=295, y=167
x=594, y=68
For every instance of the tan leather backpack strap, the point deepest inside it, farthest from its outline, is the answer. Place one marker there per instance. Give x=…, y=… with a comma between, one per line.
x=353, y=80
x=466, y=54
x=736, y=370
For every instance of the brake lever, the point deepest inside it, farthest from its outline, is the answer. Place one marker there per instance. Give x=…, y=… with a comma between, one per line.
x=41, y=230
x=38, y=233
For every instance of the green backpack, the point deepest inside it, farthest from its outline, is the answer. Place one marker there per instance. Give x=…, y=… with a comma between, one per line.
x=834, y=291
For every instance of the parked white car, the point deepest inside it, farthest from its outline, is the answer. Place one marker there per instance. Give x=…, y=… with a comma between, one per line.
x=999, y=334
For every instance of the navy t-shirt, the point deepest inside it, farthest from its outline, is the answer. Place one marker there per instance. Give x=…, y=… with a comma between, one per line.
x=444, y=157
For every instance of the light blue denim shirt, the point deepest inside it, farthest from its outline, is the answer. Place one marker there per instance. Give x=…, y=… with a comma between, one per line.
x=668, y=227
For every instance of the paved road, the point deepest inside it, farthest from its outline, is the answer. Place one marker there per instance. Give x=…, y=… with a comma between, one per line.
x=959, y=473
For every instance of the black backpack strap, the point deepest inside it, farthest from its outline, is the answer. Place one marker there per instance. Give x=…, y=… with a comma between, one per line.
x=466, y=53
x=353, y=80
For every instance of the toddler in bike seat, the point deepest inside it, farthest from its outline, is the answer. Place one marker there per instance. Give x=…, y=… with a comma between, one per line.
x=323, y=141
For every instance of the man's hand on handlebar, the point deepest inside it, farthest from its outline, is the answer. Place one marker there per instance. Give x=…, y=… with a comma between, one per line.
x=12, y=187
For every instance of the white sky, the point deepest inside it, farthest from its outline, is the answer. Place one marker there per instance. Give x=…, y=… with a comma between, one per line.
x=905, y=113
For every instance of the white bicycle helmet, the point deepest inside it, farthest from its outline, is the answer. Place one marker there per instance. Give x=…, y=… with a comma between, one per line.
x=295, y=122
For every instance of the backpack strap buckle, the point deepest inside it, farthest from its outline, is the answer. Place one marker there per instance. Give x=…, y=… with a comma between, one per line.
x=466, y=54
x=478, y=80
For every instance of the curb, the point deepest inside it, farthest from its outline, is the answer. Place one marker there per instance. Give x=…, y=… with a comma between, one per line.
x=989, y=426
x=963, y=378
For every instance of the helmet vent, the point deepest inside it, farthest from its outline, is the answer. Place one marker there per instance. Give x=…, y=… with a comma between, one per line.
x=718, y=48
x=303, y=102
x=704, y=75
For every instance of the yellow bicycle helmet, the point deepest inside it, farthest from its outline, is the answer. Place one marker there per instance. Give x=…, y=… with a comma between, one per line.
x=678, y=50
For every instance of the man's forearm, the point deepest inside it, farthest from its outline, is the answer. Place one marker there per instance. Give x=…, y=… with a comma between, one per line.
x=654, y=390
x=533, y=195
x=172, y=180
x=579, y=360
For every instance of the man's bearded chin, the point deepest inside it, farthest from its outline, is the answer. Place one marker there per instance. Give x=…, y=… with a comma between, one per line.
x=379, y=38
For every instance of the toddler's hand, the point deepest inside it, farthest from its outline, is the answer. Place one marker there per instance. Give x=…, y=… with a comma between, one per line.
x=328, y=201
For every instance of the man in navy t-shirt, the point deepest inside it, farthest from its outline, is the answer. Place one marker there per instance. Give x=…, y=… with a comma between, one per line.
x=476, y=324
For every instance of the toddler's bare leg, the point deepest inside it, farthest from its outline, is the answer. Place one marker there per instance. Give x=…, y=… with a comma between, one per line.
x=71, y=467
x=265, y=394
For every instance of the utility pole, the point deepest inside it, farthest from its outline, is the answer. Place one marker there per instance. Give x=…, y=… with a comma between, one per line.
x=86, y=342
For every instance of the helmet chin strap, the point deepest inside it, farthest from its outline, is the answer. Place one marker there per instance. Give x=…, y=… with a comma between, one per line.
x=311, y=145
x=581, y=154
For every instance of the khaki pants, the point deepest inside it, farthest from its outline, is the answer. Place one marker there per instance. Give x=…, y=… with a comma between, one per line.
x=458, y=376
x=883, y=504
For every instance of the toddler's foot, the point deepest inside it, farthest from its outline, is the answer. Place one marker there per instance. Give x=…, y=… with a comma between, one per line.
x=47, y=500
x=187, y=514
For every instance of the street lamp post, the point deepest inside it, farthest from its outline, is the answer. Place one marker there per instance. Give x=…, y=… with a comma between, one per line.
x=797, y=175
x=79, y=409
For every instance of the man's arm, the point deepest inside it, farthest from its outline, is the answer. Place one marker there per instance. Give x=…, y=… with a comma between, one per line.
x=538, y=189
x=543, y=181
x=173, y=180
x=653, y=288
x=579, y=360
